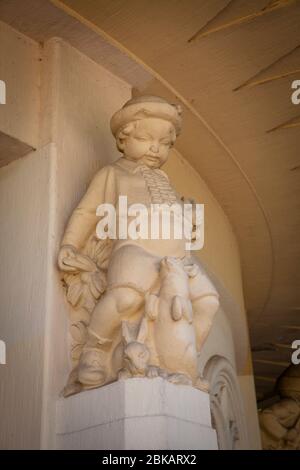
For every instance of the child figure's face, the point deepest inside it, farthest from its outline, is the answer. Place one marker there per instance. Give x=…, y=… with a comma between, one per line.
x=149, y=142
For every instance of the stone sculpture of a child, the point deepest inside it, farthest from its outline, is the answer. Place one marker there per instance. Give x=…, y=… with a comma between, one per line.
x=280, y=423
x=145, y=129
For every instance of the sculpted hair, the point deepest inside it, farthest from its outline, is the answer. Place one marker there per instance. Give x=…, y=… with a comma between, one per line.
x=173, y=136
x=123, y=133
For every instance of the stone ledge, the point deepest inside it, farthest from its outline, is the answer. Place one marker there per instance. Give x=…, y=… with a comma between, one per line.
x=130, y=398
x=135, y=414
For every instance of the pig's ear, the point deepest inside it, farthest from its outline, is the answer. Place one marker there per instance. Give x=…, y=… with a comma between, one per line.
x=192, y=270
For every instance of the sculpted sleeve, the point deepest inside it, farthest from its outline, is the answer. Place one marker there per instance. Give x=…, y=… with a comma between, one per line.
x=84, y=220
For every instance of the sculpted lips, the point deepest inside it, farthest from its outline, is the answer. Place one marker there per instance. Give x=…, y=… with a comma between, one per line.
x=152, y=158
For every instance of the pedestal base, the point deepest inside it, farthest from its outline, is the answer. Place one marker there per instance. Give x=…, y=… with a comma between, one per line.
x=136, y=414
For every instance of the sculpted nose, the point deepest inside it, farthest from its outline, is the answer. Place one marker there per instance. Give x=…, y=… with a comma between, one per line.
x=154, y=148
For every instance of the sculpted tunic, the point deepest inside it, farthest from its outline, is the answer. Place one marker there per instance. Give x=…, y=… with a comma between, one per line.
x=142, y=256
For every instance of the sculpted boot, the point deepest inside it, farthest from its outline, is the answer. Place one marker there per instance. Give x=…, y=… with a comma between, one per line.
x=92, y=368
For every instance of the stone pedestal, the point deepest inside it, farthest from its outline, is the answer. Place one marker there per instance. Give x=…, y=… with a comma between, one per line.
x=136, y=414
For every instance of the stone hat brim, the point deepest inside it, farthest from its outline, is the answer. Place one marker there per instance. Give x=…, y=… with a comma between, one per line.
x=138, y=111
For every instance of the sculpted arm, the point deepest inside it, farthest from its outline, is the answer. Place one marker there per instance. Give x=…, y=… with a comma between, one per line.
x=84, y=219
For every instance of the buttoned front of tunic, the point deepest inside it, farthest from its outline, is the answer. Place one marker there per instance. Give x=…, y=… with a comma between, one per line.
x=140, y=184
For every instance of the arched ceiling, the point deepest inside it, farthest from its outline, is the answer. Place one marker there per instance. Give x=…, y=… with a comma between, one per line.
x=231, y=64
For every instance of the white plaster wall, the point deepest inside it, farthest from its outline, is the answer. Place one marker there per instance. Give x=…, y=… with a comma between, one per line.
x=24, y=211
x=246, y=383
x=219, y=342
x=20, y=69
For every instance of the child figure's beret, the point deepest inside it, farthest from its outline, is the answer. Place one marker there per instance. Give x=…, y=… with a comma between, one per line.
x=146, y=107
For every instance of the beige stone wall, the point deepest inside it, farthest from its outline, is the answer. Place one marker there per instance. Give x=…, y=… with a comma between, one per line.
x=20, y=60
x=24, y=210
x=246, y=383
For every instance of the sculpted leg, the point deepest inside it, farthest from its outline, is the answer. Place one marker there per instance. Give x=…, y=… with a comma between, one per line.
x=116, y=305
x=204, y=309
